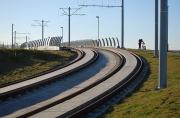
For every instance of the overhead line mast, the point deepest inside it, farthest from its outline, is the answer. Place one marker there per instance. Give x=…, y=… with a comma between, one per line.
x=69, y=14
x=41, y=24
x=163, y=44
x=112, y=6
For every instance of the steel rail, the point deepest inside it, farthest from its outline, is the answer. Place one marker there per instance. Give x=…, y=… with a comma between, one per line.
x=80, y=55
x=13, y=92
x=84, y=107
x=119, y=63
x=110, y=93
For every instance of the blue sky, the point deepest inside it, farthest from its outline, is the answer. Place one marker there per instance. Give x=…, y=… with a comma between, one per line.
x=139, y=20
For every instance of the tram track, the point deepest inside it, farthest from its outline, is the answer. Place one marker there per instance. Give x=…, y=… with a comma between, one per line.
x=84, y=106
x=113, y=81
x=80, y=55
x=83, y=109
x=75, y=91
x=80, y=62
x=94, y=65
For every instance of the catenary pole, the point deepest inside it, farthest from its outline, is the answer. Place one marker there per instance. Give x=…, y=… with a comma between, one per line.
x=112, y=6
x=163, y=45
x=42, y=24
x=69, y=14
x=156, y=28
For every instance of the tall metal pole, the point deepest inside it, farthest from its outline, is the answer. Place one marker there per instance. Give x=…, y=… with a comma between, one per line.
x=69, y=25
x=167, y=29
x=42, y=29
x=12, y=35
x=69, y=14
x=122, y=26
x=156, y=28
x=62, y=33
x=98, y=25
x=42, y=24
x=14, y=39
x=163, y=45
x=26, y=42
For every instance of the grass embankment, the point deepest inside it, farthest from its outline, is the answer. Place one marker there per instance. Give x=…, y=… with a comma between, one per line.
x=147, y=102
x=29, y=62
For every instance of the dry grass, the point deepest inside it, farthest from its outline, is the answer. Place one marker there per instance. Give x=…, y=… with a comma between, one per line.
x=27, y=63
x=147, y=102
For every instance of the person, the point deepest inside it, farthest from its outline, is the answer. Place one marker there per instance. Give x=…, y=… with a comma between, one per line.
x=140, y=42
x=143, y=46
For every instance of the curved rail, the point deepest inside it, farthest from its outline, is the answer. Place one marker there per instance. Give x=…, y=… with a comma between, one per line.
x=83, y=98
x=11, y=90
x=80, y=112
x=80, y=104
x=115, y=64
x=80, y=55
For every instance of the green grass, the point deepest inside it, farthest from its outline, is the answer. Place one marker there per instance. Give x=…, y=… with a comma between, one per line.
x=147, y=101
x=16, y=65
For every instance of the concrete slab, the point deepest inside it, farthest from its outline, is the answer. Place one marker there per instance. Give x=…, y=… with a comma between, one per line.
x=89, y=55
x=83, y=99
x=108, y=68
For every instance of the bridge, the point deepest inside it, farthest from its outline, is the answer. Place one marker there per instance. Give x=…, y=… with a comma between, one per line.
x=51, y=43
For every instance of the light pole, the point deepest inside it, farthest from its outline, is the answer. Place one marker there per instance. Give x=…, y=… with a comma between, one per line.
x=122, y=27
x=42, y=29
x=26, y=42
x=14, y=39
x=12, y=35
x=69, y=24
x=62, y=33
x=98, y=25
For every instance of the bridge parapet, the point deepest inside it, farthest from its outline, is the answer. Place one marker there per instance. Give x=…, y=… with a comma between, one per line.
x=43, y=44
x=55, y=42
x=104, y=42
